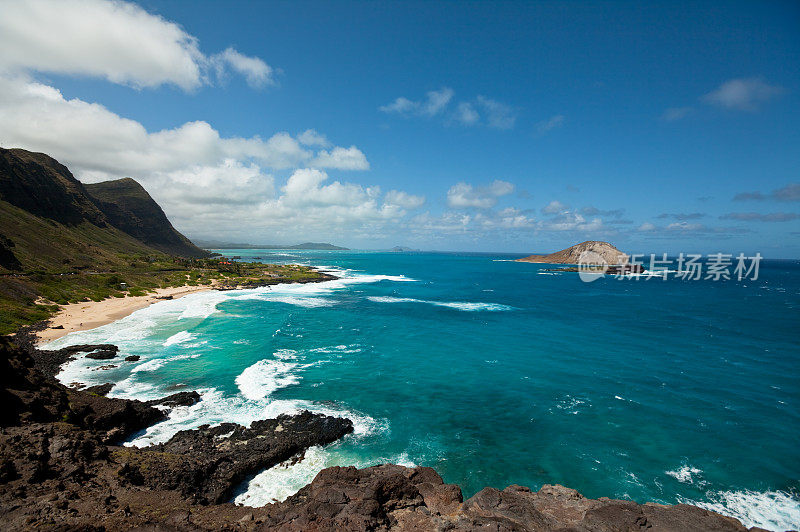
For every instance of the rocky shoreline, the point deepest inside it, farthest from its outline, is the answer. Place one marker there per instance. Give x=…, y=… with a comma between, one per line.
x=62, y=468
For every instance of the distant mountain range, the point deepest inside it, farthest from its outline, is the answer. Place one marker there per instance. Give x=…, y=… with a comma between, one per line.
x=51, y=221
x=213, y=244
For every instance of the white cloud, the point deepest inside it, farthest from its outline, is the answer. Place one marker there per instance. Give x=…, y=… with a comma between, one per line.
x=99, y=143
x=114, y=40
x=481, y=110
x=463, y=195
x=571, y=221
x=466, y=114
x=684, y=227
x=192, y=165
x=342, y=159
x=743, y=94
x=310, y=137
x=403, y=200
x=554, y=207
x=400, y=105
x=647, y=226
x=498, y=115
x=434, y=103
x=550, y=124
x=255, y=70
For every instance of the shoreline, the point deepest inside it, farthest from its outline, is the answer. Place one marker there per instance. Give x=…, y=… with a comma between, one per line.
x=87, y=315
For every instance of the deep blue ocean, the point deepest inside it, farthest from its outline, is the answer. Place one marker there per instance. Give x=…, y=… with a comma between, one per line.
x=494, y=373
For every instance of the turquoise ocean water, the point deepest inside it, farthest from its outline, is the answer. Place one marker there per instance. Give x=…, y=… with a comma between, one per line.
x=495, y=373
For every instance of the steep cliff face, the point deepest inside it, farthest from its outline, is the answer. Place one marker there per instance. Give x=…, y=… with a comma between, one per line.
x=40, y=185
x=129, y=207
x=51, y=221
x=572, y=255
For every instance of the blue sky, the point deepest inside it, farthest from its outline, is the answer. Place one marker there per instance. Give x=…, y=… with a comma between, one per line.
x=455, y=126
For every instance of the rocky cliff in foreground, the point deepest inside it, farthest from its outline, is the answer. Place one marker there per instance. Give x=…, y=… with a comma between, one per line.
x=61, y=468
x=596, y=252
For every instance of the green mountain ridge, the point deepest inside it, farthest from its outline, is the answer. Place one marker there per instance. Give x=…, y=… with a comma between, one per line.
x=51, y=221
x=129, y=207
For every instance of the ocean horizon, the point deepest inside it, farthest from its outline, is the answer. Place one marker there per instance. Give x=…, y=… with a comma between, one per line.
x=493, y=372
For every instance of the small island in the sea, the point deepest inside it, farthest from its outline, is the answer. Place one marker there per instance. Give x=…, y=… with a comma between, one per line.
x=591, y=250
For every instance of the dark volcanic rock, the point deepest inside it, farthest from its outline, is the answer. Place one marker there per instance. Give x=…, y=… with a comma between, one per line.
x=177, y=399
x=400, y=498
x=101, y=355
x=132, y=358
x=50, y=361
x=83, y=348
x=100, y=389
x=25, y=393
x=207, y=464
x=117, y=418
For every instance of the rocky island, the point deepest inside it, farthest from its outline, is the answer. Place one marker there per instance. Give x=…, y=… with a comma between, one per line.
x=601, y=252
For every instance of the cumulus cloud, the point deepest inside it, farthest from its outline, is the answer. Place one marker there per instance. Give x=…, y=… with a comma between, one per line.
x=571, y=221
x=744, y=94
x=255, y=70
x=790, y=192
x=100, y=143
x=342, y=159
x=192, y=164
x=554, y=207
x=758, y=217
x=647, y=226
x=550, y=124
x=114, y=40
x=310, y=137
x=404, y=200
x=463, y=195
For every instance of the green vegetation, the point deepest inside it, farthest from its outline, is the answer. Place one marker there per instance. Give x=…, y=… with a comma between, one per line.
x=65, y=242
x=34, y=295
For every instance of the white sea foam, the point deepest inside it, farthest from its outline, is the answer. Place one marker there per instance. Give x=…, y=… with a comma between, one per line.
x=686, y=474
x=285, y=479
x=265, y=376
x=183, y=336
x=772, y=510
x=458, y=305
x=150, y=365
x=308, y=302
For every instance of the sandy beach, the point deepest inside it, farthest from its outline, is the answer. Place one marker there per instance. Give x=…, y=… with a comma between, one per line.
x=90, y=314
